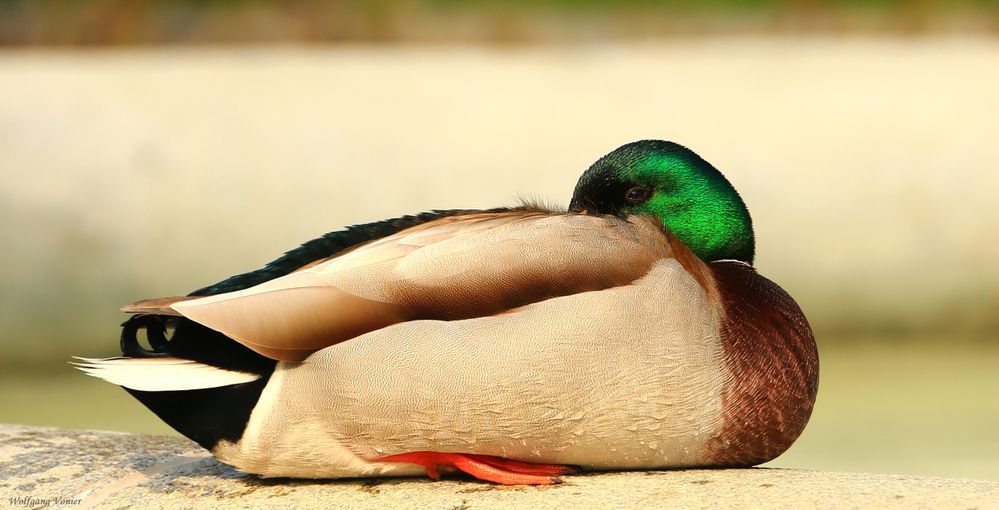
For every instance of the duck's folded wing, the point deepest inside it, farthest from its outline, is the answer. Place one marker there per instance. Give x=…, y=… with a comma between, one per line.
x=454, y=268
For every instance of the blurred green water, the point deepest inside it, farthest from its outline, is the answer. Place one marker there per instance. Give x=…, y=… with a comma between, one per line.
x=923, y=407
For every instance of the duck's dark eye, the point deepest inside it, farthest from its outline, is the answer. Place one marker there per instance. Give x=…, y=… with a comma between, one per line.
x=637, y=195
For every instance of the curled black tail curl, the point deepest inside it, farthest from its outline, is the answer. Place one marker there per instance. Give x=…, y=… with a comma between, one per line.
x=155, y=327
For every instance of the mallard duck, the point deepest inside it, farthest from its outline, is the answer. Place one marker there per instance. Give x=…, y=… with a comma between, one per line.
x=514, y=344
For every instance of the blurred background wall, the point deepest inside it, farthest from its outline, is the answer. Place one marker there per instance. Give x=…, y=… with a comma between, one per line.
x=150, y=147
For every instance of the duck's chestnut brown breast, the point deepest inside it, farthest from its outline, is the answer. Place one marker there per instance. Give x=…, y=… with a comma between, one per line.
x=771, y=354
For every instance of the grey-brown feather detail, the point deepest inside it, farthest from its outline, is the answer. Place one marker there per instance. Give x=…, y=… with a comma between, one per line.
x=771, y=353
x=457, y=267
x=157, y=306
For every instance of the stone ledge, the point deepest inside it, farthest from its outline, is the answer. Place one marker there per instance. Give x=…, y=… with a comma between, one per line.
x=60, y=468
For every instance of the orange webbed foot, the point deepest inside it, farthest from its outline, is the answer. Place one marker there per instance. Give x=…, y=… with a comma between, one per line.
x=484, y=467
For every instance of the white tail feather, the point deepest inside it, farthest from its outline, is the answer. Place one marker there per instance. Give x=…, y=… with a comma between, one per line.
x=161, y=374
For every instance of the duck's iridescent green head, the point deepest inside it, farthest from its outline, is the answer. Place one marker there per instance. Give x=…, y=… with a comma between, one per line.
x=669, y=181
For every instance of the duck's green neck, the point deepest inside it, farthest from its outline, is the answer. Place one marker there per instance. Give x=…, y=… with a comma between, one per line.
x=699, y=206
x=686, y=193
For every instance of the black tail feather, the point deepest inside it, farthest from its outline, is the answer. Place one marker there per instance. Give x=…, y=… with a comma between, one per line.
x=155, y=333
x=208, y=415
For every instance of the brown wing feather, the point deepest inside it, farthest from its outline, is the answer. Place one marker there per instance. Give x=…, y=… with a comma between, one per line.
x=457, y=267
x=158, y=306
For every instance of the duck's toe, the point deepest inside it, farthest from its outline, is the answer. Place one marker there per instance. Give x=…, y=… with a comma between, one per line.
x=484, y=467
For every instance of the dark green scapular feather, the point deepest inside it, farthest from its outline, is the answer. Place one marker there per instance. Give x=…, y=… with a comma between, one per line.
x=325, y=246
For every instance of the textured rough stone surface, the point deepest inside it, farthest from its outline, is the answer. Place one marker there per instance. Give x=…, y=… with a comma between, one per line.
x=59, y=468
